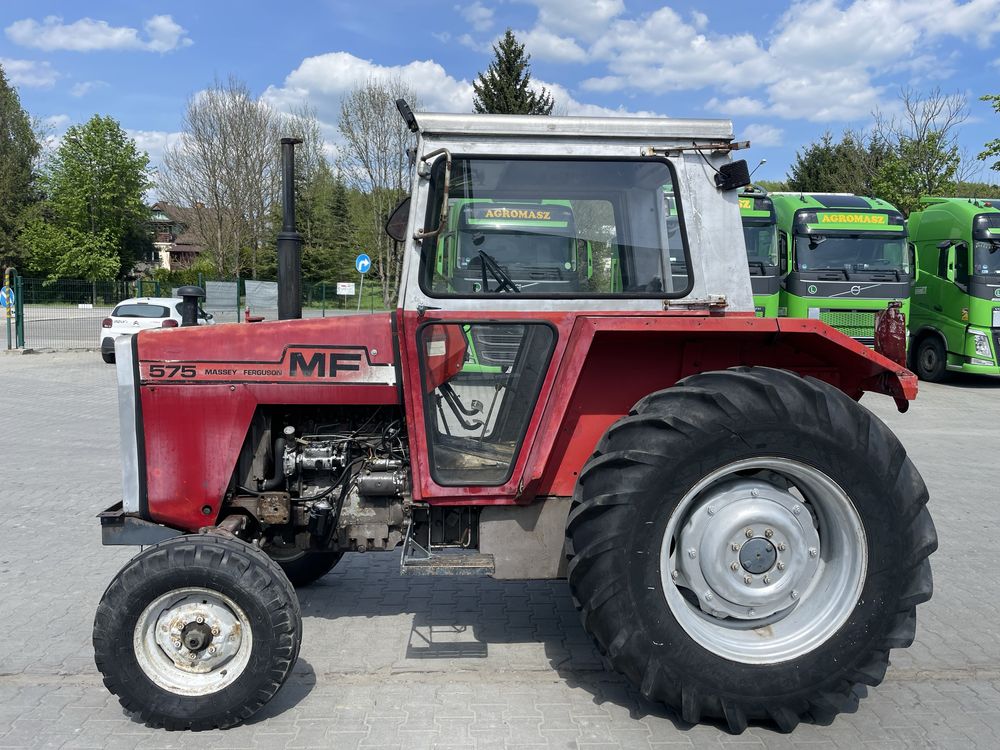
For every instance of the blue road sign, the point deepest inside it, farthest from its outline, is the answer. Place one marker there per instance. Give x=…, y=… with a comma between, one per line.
x=7, y=296
x=363, y=263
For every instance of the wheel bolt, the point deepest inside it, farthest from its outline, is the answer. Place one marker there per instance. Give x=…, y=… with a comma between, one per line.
x=794, y=594
x=675, y=575
x=734, y=547
x=692, y=553
x=781, y=547
x=754, y=492
x=747, y=580
x=751, y=612
x=734, y=567
x=211, y=649
x=769, y=533
x=781, y=566
x=199, y=619
x=215, y=631
x=767, y=579
x=749, y=533
x=711, y=510
x=177, y=644
x=813, y=552
x=796, y=509
x=709, y=597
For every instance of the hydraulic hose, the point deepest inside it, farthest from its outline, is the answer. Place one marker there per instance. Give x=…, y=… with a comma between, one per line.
x=279, y=472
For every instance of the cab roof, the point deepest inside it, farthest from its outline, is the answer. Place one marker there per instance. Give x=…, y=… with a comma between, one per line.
x=962, y=208
x=821, y=201
x=653, y=128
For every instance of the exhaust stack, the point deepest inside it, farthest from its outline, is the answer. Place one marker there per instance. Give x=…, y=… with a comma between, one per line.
x=289, y=240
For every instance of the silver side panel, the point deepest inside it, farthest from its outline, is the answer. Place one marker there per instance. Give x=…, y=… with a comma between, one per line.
x=127, y=424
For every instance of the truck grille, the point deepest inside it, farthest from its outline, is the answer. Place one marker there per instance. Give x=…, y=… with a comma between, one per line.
x=858, y=324
x=497, y=345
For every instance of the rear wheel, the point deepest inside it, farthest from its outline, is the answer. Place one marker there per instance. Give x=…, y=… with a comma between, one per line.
x=304, y=567
x=931, y=359
x=197, y=632
x=749, y=545
x=108, y=357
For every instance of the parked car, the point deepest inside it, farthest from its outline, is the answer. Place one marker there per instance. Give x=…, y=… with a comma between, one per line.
x=139, y=314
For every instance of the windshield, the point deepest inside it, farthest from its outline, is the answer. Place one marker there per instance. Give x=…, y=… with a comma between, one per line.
x=851, y=253
x=986, y=258
x=762, y=244
x=515, y=248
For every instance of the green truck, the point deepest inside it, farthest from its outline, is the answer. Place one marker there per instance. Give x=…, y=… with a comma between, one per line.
x=761, y=235
x=955, y=312
x=842, y=258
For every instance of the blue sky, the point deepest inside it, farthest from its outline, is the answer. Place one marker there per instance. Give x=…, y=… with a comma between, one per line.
x=783, y=71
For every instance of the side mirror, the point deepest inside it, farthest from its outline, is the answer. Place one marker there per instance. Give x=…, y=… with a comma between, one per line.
x=950, y=274
x=733, y=176
x=783, y=254
x=395, y=226
x=911, y=249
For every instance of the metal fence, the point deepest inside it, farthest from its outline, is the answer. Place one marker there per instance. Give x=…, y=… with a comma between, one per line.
x=67, y=313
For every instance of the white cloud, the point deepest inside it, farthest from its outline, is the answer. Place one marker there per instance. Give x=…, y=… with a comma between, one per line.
x=163, y=34
x=36, y=74
x=56, y=122
x=544, y=45
x=762, y=135
x=585, y=19
x=737, y=106
x=477, y=15
x=154, y=143
x=85, y=87
x=566, y=104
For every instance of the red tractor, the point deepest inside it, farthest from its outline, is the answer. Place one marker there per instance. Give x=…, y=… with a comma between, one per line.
x=744, y=540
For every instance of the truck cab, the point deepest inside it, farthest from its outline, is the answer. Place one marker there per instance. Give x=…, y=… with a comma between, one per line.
x=955, y=310
x=842, y=259
x=760, y=234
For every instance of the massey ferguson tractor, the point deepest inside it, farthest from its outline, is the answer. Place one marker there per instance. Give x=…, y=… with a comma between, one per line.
x=744, y=541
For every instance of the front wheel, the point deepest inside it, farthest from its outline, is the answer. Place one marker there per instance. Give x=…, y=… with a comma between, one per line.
x=750, y=545
x=197, y=632
x=931, y=360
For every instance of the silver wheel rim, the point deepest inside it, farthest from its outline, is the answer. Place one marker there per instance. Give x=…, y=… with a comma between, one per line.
x=193, y=641
x=763, y=560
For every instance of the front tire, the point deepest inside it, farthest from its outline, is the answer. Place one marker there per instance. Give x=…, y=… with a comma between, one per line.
x=931, y=360
x=755, y=474
x=197, y=632
x=108, y=357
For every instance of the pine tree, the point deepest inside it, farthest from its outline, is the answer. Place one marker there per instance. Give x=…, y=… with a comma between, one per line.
x=504, y=89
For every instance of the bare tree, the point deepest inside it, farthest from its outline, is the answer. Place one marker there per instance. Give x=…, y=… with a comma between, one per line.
x=373, y=161
x=224, y=169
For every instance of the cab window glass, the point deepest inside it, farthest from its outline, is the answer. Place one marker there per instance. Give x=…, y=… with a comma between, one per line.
x=551, y=228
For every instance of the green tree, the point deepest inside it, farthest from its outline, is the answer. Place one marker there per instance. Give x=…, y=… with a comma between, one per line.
x=505, y=87
x=64, y=252
x=849, y=165
x=991, y=149
x=19, y=149
x=96, y=182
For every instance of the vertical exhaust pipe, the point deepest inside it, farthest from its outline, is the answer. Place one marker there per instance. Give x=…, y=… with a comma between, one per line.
x=289, y=240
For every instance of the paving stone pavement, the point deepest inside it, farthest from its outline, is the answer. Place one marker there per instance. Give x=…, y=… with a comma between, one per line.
x=453, y=663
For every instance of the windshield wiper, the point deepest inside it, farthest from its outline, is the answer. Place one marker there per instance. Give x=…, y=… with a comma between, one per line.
x=506, y=282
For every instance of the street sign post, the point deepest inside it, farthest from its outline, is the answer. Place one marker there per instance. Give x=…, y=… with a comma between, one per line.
x=7, y=302
x=363, y=263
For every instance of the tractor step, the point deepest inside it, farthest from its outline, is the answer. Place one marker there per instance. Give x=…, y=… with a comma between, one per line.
x=446, y=562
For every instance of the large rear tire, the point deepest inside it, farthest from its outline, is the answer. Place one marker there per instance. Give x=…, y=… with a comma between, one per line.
x=749, y=545
x=306, y=566
x=197, y=632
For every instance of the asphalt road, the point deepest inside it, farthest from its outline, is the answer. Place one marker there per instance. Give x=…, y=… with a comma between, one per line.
x=389, y=662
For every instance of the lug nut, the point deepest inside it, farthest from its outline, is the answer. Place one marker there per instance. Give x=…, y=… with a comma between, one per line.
x=754, y=492
x=747, y=580
x=796, y=509
x=675, y=575
x=211, y=649
x=769, y=533
x=781, y=547
x=794, y=594
x=813, y=552
x=734, y=567
x=711, y=510
x=749, y=533
x=177, y=644
x=781, y=566
x=767, y=579
x=692, y=553
x=734, y=547
x=709, y=597
x=751, y=612
x=215, y=631
x=199, y=619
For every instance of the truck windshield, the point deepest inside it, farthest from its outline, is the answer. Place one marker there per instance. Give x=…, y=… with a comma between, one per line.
x=762, y=244
x=986, y=258
x=523, y=248
x=851, y=253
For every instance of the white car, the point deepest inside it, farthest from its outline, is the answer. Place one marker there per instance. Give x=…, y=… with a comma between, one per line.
x=139, y=314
